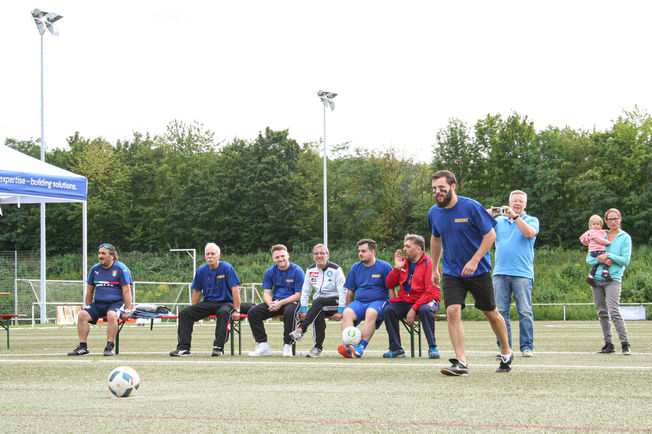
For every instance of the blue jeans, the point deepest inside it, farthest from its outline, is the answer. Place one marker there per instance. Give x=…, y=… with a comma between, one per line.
x=521, y=288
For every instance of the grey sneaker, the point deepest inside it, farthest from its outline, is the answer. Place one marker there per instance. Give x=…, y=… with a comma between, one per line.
x=457, y=369
x=314, y=352
x=180, y=353
x=297, y=334
x=608, y=348
x=79, y=351
x=217, y=351
x=627, y=349
x=505, y=362
x=108, y=350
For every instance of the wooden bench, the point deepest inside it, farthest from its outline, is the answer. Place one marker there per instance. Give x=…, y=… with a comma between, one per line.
x=121, y=323
x=5, y=319
x=236, y=324
x=5, y=322
x=416, y=328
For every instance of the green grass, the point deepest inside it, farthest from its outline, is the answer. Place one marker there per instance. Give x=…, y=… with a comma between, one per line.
x=564, y=388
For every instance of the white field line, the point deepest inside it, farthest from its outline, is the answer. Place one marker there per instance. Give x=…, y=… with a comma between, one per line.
x=348, y=364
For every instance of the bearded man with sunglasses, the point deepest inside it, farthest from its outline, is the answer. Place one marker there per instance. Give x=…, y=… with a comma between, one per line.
x=108, y=293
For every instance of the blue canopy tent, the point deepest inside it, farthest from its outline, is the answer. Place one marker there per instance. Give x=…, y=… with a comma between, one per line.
x=24, y=179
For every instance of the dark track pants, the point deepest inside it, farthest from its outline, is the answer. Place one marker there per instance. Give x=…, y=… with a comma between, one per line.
x=187, y=318
x=320, y=307
x=397, y=310
x=261, y=312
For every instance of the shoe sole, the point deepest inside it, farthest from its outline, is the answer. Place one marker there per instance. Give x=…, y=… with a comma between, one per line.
x=434, y=356
x=181, y=355
x=344, y=351
x=450, y=372
x=108, y=354
x=260, y=354
x=77, y=354
x=503, y=370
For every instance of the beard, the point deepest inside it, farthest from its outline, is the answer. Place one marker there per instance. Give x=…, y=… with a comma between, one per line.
x=444, y=201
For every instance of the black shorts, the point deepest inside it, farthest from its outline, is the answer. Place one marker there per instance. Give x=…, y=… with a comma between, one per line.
x=481, y=286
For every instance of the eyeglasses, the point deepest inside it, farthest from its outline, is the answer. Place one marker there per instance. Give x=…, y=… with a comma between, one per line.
x=613, y=219
x=319, y=253
x=105, y=246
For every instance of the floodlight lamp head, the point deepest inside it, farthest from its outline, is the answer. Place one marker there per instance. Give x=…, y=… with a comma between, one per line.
x=321, y=93
x=45, y=20
x=331, y=95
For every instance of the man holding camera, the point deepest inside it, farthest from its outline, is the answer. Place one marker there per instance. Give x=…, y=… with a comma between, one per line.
x=513, y=274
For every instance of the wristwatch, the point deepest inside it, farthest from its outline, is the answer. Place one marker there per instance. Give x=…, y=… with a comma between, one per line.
x=237, y=310
x=517, y=216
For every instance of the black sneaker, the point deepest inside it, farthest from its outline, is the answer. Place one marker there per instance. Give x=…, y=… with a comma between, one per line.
x=505, y=362
x=180, y=353
x=217, y=351
x=108, y=350
x=395, y=354
x=608, y=348
x=627, y=349
x=457, y=369
x=79, y=351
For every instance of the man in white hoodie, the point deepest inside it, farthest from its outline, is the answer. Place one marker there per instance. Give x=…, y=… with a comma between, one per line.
x=327, y=280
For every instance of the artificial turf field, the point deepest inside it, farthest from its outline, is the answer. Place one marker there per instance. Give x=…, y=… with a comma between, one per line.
x=564, y=388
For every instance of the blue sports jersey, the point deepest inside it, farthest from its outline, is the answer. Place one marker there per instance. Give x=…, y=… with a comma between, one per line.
x=108, y=282
x=283, y=283
x=368, y=283
x=216, y=284
x=461, y=229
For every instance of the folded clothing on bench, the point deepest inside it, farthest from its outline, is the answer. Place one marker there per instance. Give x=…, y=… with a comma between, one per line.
x=150, y=311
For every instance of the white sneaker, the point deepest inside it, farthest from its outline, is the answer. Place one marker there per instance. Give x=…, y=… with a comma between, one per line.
x=262, y=349
x=287, y=350
x=528, y=353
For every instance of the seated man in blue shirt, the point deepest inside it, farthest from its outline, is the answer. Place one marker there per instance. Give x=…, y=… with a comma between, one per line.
x=109, y=285
x=219, y=283
x=365, y=282
x=282, y=285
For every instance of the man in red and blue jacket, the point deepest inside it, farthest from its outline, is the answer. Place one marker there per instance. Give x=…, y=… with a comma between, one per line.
x=417, y=295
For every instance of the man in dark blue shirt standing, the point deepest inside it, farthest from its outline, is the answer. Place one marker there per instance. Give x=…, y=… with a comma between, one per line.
x=219, y=283
x=110, y=282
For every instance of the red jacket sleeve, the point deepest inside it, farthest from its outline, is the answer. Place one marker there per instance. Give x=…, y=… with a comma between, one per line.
x=429, y=293
x=392, y=280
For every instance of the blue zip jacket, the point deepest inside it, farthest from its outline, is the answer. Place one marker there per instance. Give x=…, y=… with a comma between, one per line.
x=620, y=251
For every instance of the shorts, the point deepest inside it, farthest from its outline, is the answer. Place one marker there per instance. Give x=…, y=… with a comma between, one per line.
x=99, y=310
x=481, y=286
x=360, y=310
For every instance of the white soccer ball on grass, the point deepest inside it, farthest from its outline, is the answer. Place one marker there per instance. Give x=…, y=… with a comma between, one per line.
x=351, y=336
x=123, y=381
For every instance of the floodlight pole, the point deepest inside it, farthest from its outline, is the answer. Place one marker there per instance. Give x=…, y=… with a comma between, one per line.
x=327, y=100
x=44, y=20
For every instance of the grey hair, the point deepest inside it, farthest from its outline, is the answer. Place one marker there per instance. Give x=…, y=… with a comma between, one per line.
x=321, y=246
x=215, y=246
x=518, y=192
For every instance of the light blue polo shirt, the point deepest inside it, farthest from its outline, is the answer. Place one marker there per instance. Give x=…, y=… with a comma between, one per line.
x=514, y=252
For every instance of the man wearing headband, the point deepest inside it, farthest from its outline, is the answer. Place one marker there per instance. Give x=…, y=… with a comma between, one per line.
x=109, y=282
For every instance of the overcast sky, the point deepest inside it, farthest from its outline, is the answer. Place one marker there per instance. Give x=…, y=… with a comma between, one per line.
x=402, y=69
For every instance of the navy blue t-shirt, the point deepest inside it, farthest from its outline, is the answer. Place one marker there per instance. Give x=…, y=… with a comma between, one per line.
x=368, y=283
x=283, y=283
x=108, y=282
x=461, y=229
x=216, y=284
